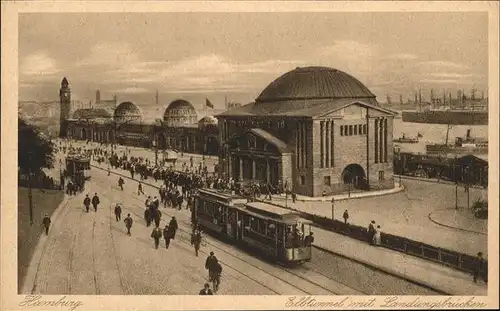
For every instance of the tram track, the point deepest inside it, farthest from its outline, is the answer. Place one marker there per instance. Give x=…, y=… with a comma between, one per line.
x=296, y=277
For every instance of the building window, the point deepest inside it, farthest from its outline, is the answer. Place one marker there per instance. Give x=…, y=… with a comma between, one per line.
x=302, y=180
x=364, y=129
x=355, y=130
x=350, y=130
x=327, y=181
x=341, y=130
x=381, y=175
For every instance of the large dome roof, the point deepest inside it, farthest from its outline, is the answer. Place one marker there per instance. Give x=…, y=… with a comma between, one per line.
x=127, y=111
x=314, y=83
x=207, y=121
x=179, y=113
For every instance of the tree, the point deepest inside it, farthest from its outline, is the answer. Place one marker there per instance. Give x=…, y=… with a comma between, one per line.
x=35, y=151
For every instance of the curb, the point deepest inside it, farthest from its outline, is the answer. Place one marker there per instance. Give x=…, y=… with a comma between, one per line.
x=387, y=271
x=434, y=181
x=370, y=195
x=452, y=227
x=29, y=280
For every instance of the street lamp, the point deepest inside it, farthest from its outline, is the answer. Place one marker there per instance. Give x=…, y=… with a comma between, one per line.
x=456, y=181
x=467, y=186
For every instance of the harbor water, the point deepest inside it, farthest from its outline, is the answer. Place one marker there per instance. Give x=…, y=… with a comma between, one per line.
x=433, y=134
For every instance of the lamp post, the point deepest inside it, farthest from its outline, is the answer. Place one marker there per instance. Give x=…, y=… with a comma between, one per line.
x=333, y=208
x=456, y=182
x=156, y=152
x=467, y=186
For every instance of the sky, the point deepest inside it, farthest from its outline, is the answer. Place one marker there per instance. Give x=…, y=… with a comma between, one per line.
x=198, y=55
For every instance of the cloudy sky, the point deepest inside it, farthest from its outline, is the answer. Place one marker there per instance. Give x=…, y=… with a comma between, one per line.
x=198, y=55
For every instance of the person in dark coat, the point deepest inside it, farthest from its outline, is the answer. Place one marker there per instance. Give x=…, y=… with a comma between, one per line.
x=86, y=202
x=345, y=216
x=309, y=240
x=173, y=227
x=180, y=200
x=206, y=290
x=95, y=201
x=147, y=216
x=120, y=183
x=210, y=265
x=166, y=236
x=156, y=235
x=479, y=268
x=118, y=212
x=196, y=240
x=156, y=216
x=216, y=274
x=46, y=223
x=371, y=231
x=128, y=224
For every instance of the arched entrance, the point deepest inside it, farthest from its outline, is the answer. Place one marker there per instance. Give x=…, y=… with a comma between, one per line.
x=162, y=141
x=354, y=174
x=84, y=134
x=211, y=145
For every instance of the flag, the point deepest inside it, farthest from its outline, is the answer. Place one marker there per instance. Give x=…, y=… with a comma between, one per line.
x=208, y=103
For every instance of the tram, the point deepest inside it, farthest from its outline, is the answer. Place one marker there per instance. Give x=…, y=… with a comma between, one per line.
x=78, y=169
x=272, y=231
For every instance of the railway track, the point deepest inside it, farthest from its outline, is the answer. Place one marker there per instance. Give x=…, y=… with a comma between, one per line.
x=285, y=275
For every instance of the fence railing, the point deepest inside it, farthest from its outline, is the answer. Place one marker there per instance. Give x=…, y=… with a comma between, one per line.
x=457, y=260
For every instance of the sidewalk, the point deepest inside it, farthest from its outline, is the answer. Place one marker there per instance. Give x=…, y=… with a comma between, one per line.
x=353, y=195
x=436, y=276
x=461, y=219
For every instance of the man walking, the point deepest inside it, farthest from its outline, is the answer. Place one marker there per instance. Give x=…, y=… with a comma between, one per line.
x=86, y=202
x=118, y=212
x=345, y=216
x=46, y=223
x=371, y=231
x=479, y=268
x=166, y=236
x=120, y=183
x=210, y=265
x=95, y=201
x=156, y=235
x=173, y=227
x=139, y=189
x=128, y=224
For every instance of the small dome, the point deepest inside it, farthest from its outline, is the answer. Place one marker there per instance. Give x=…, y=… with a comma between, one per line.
x=207, y=121
x=127, y=111
x=180, y=113
x=314, y=83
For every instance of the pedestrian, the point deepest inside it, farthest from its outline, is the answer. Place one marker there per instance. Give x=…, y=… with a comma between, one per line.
x=120, y=183
x=46, y=223
x=139, y=189
x=196, y=240
x=345, y=216
x=206, y=290
x=216, y=275
x=95, y=201
x=371, y=231
x=156, y=216
x=173, y=227
x=86, y=202
x=309, y=240
x=294, y=196
x=166, y=236
x=479, y=268
x=210, y=265
x=147, y=216
x=324, y=193
x=156, y=235
x=376, y=237
x=118, y=212
x=128, y=224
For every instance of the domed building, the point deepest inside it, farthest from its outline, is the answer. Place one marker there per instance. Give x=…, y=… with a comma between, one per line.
x=180, y=113
x=314, y=130
x=127, y=112
x=207, y=121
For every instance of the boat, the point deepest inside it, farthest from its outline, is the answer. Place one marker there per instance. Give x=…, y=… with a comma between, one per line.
x=406, y=140
x=462, y=111
x=462, y=145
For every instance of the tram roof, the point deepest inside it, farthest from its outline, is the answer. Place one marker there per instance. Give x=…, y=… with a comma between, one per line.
x=272, y=211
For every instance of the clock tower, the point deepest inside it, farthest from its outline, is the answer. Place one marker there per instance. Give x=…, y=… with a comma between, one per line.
x=65, y=101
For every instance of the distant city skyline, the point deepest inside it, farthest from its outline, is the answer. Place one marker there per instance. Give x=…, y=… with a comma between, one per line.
x=213, y=55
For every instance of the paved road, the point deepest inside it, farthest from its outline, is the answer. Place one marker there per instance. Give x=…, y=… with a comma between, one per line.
x=91, y=254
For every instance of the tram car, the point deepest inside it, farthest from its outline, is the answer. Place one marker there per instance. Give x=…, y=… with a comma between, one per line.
x=274, y=232
x=78, y=169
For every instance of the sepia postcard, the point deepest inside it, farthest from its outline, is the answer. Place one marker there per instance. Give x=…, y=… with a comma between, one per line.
x=272, y=155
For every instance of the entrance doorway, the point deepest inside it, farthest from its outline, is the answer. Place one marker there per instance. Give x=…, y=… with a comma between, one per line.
x=84, y=134
x=162, y=142
x=355, y=175
x=212, y=145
